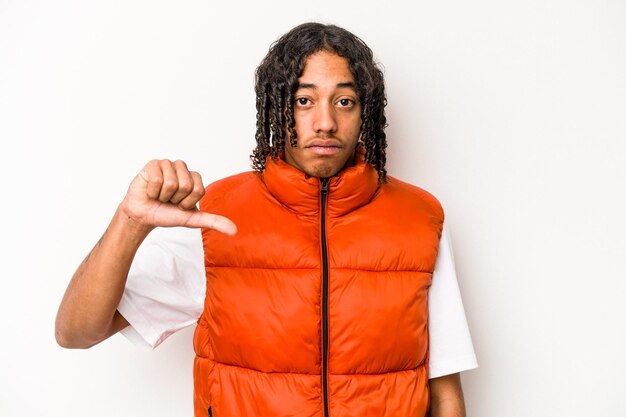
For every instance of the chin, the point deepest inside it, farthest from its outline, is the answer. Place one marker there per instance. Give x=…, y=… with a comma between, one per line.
x=323, y=171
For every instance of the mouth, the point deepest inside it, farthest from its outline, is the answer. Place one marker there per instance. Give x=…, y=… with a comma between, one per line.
x=324, y=147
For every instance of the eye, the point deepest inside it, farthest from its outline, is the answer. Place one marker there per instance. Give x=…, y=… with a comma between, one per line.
x=302, y=101
x=346, y=102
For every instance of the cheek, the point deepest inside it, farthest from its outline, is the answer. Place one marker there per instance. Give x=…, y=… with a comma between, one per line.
x=355, y=121
x=355, y=126
x=300, y=121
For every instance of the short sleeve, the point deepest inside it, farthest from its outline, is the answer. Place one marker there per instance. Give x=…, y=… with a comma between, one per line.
x=165, y=287
x=451, y=348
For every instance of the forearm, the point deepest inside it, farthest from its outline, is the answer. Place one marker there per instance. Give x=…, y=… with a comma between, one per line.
x=87, y=314
x=163, y=194
x=446, y=397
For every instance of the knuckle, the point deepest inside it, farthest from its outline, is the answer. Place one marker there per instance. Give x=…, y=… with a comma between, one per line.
x=197, y=181
x=165, y=163
x=170, y=184
x=180, y=163
x=185, y=186
x=198, y=190
x=186, y=205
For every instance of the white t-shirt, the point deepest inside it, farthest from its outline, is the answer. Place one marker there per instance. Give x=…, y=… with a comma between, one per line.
x=166, y=284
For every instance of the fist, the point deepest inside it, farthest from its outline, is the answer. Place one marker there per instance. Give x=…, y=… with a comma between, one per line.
x=165, y=194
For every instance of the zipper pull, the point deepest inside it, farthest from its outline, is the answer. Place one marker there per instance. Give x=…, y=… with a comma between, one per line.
x=324, y=188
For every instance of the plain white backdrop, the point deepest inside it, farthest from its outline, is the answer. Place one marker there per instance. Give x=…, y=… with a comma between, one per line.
x=512, y=113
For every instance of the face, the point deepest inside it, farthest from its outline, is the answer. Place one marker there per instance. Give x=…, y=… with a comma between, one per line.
x=327, y=113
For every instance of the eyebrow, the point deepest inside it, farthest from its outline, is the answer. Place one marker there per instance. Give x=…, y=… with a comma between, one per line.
x=347, y=84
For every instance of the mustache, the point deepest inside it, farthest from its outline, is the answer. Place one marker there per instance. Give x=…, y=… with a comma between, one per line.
x=324, y=136
x=334, y=143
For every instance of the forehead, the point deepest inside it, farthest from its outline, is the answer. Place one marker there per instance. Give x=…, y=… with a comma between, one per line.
x=323, y=68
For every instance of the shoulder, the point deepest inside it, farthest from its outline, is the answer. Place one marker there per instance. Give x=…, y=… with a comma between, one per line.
x=232, y=182
x=228, y=186
x=412, y=194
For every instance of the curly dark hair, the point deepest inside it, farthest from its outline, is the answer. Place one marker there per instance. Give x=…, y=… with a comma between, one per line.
x=277, y=82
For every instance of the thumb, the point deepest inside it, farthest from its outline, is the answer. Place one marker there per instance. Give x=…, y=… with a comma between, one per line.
x=215, y=222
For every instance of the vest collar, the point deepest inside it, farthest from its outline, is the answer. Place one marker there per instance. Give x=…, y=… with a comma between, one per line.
x=351, y=188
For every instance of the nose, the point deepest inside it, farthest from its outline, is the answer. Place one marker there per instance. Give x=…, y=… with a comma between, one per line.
x=325, y=121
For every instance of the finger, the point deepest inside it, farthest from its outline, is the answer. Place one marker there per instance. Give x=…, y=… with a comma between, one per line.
x=212, y=221
x=196, y=193
x=144, y=176
x=153, y=175
x=185, y=182
x=170, y=181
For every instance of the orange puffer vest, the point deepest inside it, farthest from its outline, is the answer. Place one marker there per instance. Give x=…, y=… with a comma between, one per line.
x=318, y=306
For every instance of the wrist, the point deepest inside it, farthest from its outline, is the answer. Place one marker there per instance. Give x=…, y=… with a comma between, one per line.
x=129, y=226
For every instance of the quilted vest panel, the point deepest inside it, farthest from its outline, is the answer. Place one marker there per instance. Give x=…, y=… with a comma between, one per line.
x=318, y=302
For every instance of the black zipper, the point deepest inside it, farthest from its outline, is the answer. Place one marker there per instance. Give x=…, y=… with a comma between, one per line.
x=324, y=193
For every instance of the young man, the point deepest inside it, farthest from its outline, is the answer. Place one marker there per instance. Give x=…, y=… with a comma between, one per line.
x=317, y=302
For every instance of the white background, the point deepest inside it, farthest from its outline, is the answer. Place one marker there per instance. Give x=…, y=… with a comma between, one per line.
x=512, y=113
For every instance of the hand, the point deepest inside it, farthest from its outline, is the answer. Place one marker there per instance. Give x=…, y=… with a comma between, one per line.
x=165, y=194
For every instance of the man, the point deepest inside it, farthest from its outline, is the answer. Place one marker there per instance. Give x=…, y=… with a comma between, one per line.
x=317, y=301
